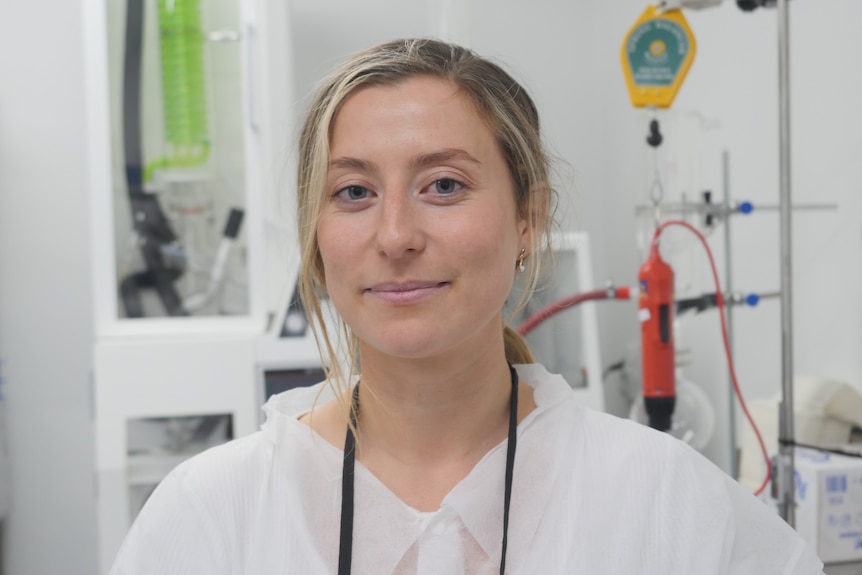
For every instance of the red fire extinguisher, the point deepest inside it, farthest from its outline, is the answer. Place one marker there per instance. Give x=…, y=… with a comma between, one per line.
x=657, y=351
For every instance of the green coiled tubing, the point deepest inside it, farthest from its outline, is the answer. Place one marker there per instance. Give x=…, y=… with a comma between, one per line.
x=181, y=44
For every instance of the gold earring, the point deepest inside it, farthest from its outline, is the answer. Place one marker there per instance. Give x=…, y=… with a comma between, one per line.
x=521, y=257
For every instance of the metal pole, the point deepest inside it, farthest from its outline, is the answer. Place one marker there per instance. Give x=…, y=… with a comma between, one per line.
x=786, y=499
x=728, y=286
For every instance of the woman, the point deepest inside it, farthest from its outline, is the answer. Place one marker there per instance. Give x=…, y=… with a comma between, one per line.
x=423, y=192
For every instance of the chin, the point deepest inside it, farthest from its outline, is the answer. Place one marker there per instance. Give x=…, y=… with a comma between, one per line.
x=405, y=349
x=414, y=344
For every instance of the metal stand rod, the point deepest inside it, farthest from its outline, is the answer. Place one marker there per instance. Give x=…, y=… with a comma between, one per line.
x=728, y=286
x=786, y=484
x=725, y=210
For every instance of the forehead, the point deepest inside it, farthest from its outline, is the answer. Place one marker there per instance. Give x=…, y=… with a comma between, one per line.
x=420, y=108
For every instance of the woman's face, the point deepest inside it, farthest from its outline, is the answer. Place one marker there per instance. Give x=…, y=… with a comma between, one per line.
x=419, y=234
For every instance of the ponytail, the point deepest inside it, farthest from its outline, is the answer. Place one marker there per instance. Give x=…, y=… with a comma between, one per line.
x=517, y=350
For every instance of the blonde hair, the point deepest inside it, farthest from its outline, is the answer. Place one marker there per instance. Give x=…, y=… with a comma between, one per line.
x=501, y=102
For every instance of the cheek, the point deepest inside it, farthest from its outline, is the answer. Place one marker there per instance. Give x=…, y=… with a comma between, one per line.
x=335, y=275
x=486, y=247
x=332, y=254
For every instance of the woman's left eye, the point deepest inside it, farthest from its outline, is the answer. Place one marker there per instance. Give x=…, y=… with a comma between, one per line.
x=447, y=186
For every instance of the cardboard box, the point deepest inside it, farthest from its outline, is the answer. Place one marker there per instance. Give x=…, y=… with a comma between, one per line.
x=829, y=504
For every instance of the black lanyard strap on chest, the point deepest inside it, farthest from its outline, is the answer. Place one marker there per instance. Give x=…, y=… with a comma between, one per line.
x=345, y=548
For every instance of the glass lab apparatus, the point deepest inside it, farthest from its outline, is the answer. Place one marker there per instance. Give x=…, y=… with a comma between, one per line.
x=180, y=186
x=189, y=114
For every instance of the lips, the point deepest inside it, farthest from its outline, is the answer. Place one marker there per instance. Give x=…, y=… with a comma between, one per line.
x=406, y=292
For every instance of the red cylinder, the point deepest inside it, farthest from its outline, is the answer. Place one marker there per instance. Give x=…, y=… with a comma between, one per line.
x=657, y=349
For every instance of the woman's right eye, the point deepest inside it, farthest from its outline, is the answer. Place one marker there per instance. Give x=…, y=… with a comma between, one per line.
x=352, y=193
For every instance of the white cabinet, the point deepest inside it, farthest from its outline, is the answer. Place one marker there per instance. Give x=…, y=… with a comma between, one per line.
x=190, y=110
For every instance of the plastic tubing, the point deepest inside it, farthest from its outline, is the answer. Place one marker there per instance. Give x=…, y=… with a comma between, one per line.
x=719, y=299
x=534, y=320
x=184, y=102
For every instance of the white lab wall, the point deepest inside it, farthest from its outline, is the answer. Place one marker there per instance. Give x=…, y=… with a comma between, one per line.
x=568, y=55
x=45, y=311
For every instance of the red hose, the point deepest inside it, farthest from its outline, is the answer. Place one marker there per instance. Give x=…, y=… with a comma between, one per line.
x=624, y=293
x=719, y=299
x=553, y=309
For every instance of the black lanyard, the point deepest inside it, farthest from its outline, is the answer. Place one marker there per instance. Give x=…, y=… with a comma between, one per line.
x=345, y=547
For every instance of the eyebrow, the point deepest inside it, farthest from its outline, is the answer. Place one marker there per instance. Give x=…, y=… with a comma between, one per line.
x=442, y=156
x=422, y=161
x=347, y=163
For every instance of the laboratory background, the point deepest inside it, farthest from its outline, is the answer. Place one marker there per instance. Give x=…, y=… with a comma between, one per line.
x=146, y=314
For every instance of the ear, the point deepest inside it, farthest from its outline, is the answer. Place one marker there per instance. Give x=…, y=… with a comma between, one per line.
x=533, y=220
x=525, y=235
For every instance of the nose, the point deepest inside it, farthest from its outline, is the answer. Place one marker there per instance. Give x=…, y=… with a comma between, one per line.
x=399, y=226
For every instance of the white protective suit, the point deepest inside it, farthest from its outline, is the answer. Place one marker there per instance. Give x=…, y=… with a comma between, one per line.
x=592, y=494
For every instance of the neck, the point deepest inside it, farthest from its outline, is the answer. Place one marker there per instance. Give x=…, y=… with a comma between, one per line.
x=424, y=412
x=424, y=425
